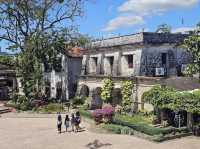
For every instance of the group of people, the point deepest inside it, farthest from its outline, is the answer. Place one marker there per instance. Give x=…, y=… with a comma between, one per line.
x=74, y=121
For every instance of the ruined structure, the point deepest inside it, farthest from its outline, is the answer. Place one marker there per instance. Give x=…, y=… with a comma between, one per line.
x=60, y=81
x=145, y=57
x=8, y=82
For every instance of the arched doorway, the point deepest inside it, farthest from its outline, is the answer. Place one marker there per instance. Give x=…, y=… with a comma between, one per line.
x=59, y=90
x=84, y=91
x=47, y=89
x=116, y=96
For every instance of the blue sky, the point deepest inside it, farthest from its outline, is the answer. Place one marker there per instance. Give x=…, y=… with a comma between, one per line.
x=107, y=18
x=113, y=17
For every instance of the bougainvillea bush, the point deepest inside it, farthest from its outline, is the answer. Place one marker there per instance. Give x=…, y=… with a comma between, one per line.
x=104, y=115
x=108, y=113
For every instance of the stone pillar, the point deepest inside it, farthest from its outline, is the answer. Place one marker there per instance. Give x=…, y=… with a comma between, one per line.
x=190, y=120
x=43, y=78
x=99, y=63
x=115, y=64
x=19, y=84
x=118, y=63
x=84, y=68
x=53, y=84
x=65, y=77
x=92, y=65
x=136, y=95
x=14, y=80
x=107, y=69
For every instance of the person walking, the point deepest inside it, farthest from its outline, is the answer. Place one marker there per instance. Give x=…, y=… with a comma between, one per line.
x=73, y=122
x=67, y=120
x=78, y=121
x=59, y=122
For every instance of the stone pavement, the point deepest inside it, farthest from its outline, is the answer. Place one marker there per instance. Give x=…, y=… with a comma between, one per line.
x=38, y=131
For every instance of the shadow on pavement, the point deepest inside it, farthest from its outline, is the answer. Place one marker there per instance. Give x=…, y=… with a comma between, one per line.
x=97, y=144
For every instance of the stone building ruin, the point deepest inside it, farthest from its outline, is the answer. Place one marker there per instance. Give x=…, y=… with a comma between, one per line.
x=147, y=58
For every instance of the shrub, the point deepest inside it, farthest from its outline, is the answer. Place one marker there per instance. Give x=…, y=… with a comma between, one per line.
x=98, y=115
x=85, y=113
x=107, y=88
x=142, y=125
x=165, y=97
x=108, y=113
x=127, y=89
x=51, y=108
x=117, y=129
x=105, y=114
x=78, y=100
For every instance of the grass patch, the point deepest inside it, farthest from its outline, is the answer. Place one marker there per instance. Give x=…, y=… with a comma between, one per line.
x=142, y=124
x=117, y=129
x=85, y=113
x=139, y=119
x=50, y=108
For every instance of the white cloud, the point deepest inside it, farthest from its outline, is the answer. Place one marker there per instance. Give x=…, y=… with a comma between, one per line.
x=183, y=29
x=148, y=7
x=123, y=21
x=137, y=10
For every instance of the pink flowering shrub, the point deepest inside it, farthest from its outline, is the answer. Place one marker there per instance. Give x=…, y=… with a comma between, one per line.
x=105, y=114
x=97, y=115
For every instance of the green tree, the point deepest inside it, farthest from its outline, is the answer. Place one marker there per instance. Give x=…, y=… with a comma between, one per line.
x=192, y=45
x=35, y=28
x=163, y=28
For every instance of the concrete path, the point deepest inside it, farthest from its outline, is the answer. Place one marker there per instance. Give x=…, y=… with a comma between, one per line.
x=33, y=131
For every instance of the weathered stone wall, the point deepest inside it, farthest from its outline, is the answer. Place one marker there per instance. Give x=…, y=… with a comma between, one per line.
x=74, y=71
x=94, y=82
x=146, y=59
x=68, y=77
x=152, y=58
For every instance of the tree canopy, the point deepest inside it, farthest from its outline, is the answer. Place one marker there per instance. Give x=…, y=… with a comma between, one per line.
x=165, y=97
x=192, y=45
x=39, y=29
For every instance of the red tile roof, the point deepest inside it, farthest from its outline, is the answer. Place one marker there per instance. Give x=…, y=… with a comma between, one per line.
x=76, y=52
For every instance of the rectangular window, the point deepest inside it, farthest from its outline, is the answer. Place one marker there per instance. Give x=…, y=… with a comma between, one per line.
x=130, y=61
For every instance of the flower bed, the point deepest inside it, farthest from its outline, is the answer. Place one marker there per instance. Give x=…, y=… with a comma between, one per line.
x=104, y=115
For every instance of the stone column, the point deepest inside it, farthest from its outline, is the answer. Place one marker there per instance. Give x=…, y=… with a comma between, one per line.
x=99, y=63
x=65, y=77
x=116, y=64
x=84, y=65
x=107, y=69
x=92, y=66
x=53, y=84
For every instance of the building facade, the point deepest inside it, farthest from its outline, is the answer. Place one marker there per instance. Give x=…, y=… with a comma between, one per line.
x=60, y=81
x=144, y=57
x=8, y=82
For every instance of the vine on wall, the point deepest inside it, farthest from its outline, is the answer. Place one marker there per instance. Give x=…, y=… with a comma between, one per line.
x=107, y=88
x=127, y=90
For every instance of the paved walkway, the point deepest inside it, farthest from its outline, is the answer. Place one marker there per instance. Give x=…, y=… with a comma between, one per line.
x=24, y=131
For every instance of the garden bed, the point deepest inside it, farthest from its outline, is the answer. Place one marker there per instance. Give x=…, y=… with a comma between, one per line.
x=139, y=126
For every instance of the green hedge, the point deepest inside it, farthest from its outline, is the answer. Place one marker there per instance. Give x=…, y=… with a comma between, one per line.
x=85, y=113
x=142, y=126
x=117, y=129
x=50, y=108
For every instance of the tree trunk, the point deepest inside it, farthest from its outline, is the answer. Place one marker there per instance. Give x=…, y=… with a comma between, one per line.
x=189, y=120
